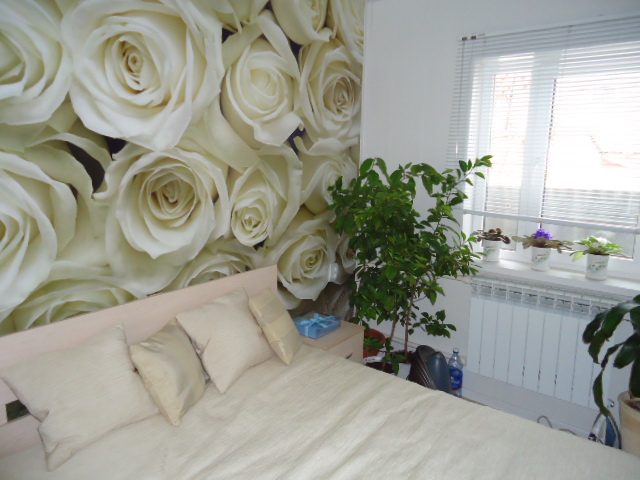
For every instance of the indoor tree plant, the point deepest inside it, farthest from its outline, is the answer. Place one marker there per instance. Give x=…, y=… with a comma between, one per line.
x=492, y=241
x=596, y=334
x=597, y=250
x=400, y=255
x=542, y=242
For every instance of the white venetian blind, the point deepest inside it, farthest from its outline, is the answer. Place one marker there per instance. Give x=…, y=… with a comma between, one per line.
x=559, y=109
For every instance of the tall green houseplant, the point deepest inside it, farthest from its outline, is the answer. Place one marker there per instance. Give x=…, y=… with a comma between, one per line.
x=401, y=256
x=599, y=331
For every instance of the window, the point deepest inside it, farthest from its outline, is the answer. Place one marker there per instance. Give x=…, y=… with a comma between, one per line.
x=559, y=110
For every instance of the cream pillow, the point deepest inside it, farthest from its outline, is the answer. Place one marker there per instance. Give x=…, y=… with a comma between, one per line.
x=80, y=393
x=276, y=323
x=171, y=371
x=226, y=337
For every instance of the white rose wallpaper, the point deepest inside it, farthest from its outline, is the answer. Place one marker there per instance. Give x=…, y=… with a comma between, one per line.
x=149, y=145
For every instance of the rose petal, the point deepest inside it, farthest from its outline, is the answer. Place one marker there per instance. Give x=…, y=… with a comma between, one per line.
x=346, y=18
x=323, y=163
x=236, y=12
x=35, y=68
x=303, y=21
x=213, y=137
x=218, y=259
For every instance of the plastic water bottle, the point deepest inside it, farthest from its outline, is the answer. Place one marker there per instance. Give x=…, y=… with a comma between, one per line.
x=455, y=370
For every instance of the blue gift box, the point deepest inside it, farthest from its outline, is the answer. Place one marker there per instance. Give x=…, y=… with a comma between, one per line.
x=316, y=325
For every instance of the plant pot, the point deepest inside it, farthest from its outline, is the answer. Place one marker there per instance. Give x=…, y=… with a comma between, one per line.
x=629, y=425
x=371, y=352
x=540, y=258
x=491, y=249
x=597, y=267
x=386, y=367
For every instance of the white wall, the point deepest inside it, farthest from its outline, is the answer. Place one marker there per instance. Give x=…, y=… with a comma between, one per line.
x=408, y=84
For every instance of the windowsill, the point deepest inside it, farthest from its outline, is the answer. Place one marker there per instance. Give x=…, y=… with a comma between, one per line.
x=518, y=271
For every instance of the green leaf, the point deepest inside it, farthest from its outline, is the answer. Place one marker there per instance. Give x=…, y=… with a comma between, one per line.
x=366, y=166
x=628, y=352
x=391, y=273
x=593, y=327
x=634, y=378
x=598, y=396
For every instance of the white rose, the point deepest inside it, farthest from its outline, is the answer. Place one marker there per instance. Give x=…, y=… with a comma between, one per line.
x=266, y=197
x=163, y=208
x=47, y=210
x=71, y=289
x=36, y=69
x=302, y=20
x=346, y=17
x=259, y=87
x=346, y=255
x=51, y=153
x=236, y=12
x=212, y=136
x=322, y=164
x=37, y=220
x=143, y=70
x=304, y=255
x=218, y=259
x=329, y=93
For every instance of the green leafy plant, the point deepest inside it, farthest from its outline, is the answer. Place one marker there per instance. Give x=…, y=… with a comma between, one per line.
x=400, y=255
x=493, y=234
x=542, y=239
x=599, y=331
x=596, y=246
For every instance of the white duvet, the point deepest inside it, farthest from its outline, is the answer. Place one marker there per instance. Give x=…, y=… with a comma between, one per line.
x=323, y=417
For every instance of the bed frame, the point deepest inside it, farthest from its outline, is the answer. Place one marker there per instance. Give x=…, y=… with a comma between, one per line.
x=141, y=319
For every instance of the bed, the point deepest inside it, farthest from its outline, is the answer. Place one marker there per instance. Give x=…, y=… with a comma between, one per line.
x=317, y=417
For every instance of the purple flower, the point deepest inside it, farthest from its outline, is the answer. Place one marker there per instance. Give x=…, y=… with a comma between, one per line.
x=542, y=233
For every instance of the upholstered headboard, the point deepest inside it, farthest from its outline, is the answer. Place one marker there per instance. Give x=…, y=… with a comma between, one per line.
x=141, y=319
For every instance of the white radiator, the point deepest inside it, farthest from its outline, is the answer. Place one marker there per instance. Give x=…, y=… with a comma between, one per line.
x=531, y=337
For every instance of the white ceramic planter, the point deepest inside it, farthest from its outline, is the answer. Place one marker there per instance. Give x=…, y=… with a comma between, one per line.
x=629, y=426
x=491, y=249
x=597, y=267
x=540, y=258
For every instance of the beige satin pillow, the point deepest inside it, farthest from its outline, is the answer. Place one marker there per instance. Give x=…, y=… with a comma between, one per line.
x=226, y=337
x=276, y=324
x=80, y=393
x=171, y=371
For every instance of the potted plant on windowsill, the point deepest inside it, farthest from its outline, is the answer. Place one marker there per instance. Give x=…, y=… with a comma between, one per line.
x=597, y=250
x=492, y=241
x=541, y=243
x=400, y=255
x=596, y=334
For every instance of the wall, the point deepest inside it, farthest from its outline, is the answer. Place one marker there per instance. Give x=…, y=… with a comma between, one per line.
x=150, y=145
x=408, y=89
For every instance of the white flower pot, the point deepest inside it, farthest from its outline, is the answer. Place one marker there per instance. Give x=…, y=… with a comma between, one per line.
x=629, y=426
x=540, y=258
x=491, y=250
x=597, y=267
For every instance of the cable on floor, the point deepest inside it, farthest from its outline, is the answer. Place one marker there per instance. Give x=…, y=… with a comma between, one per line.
x=544, y=417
